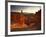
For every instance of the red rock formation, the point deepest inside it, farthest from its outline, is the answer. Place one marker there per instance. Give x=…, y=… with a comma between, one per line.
x=22, y=21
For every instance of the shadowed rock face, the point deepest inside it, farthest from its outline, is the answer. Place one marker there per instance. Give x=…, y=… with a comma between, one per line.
x=22, y=22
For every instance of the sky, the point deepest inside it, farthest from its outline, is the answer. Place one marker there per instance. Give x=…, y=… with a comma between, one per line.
x=25, y=9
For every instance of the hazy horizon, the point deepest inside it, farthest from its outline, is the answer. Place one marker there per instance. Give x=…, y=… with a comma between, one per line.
x=27, y=9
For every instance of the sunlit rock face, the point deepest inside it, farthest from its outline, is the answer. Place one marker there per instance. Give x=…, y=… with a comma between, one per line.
x=25, y=22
